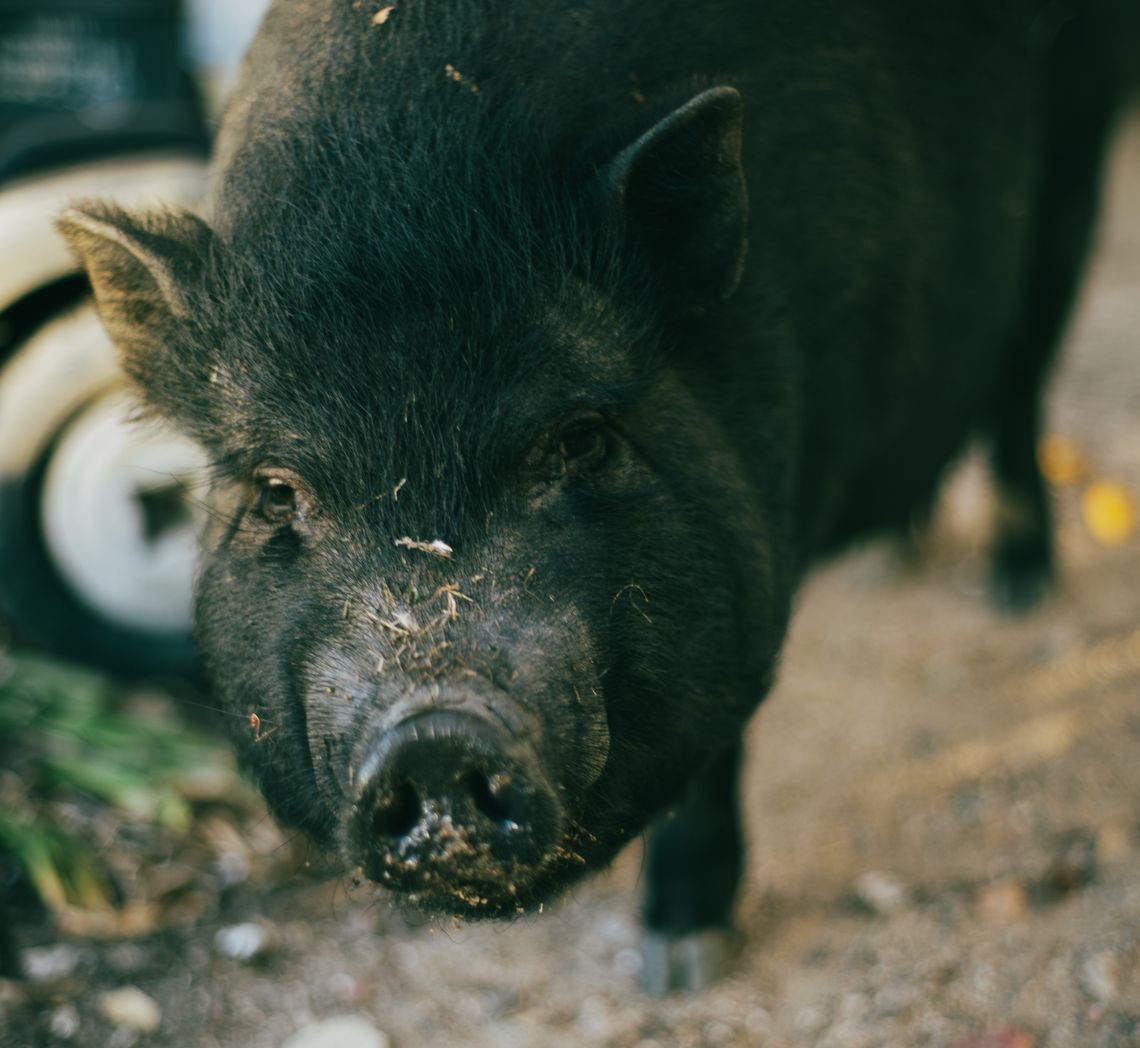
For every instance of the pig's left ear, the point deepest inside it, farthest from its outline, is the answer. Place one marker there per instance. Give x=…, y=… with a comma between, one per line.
x=681, y=186
x=140, y=268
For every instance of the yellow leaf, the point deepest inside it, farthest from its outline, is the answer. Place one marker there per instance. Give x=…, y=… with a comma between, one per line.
x=1109, y=512
x=1061, y=461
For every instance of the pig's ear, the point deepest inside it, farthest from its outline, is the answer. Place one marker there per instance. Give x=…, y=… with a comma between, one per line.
x=140, y=268
x=681, y=186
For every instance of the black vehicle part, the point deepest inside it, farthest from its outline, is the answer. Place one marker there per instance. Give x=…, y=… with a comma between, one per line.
x=90, y=78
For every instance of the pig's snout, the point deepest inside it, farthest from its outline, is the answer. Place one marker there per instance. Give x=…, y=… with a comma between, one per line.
x=447, y=802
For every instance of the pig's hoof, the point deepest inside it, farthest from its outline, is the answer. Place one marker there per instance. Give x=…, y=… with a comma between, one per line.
x=1019, y=584
x=686, y=963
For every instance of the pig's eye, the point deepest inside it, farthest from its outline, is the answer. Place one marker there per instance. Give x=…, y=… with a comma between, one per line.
x=276, y=500
x=583, y=444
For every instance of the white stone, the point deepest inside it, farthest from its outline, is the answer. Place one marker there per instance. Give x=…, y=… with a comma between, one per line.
x=342, y=1031
x=1099, y=976
x=47, y=963
x=64, y=1022
x=880, y=892
x=129, y=1006
x=244, y=942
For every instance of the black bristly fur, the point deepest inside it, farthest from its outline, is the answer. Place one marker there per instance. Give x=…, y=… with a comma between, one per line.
x=441, y=231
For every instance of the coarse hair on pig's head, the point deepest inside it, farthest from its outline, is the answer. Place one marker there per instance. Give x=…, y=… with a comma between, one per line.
x=487, y=264
x=465, y=516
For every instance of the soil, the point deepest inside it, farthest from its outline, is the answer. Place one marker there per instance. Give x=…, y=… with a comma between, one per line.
x=943, y=811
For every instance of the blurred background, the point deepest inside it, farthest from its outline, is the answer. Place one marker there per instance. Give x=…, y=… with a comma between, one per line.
x=943, y=804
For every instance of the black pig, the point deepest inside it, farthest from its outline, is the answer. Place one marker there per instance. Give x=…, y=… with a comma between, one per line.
x=541, y=348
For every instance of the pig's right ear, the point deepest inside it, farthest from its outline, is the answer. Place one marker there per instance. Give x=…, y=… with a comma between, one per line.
x=140, y=268
x=681, y=191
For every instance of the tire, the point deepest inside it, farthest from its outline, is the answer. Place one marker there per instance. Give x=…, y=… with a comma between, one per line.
x=97, y=513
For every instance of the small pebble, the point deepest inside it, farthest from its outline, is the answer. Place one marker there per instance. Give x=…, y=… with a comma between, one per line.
x=64, y=1023
x=49, y=963
x=880, y=892
x=245, y=942
x=128, y=1006
x=231, y=868
x=1002, y=901
x=342, y=1031
x=1098, y=976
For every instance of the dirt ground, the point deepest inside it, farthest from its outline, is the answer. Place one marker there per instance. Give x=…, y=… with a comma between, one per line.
x=943, y=814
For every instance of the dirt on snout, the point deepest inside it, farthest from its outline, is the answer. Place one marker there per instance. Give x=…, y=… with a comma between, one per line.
x=943, y=813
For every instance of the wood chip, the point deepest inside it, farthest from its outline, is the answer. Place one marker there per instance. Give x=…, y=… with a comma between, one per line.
x=437, y=547
x=1002, y=901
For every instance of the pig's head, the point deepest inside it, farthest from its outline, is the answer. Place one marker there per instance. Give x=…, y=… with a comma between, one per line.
x=483, y=582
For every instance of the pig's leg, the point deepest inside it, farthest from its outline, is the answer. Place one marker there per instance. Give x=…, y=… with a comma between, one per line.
x=1022, y=566
x=1022, y=558
x=695, y=857
x=1081, y=103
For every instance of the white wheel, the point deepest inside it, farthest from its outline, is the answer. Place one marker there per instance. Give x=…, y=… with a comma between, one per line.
x=118, y=516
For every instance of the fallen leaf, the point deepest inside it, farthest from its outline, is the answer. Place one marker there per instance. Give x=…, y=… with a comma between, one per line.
x=1002, y=901
x=1061, y=461
x=1109, y=512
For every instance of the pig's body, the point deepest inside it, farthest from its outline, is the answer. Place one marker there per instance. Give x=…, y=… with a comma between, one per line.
x=477, y=275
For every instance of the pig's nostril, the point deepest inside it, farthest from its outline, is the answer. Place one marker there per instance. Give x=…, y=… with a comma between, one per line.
x=494, y=798
x=396, y=811
x=444, y=802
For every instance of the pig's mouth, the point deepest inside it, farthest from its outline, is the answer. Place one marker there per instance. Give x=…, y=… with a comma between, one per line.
x=463, y=878
x=455, y=815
